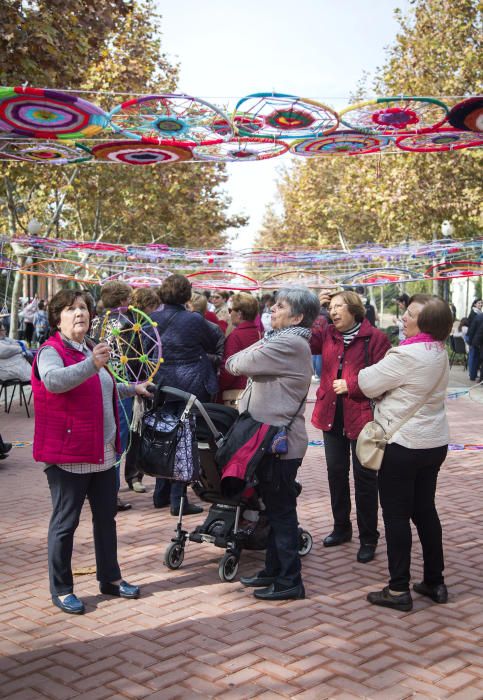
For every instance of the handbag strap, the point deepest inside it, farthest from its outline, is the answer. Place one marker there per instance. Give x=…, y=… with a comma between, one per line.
x=296, y=412
x=414, y=410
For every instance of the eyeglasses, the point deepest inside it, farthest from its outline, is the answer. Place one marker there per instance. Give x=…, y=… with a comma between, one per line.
x=336, y=307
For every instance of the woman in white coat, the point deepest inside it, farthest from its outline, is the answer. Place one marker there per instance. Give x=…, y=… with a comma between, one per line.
x=416, y=371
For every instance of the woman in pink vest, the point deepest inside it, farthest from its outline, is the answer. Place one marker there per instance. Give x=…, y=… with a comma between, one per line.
x=77, y=436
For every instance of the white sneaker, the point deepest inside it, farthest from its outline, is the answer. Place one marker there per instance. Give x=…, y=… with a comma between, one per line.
x=138, y=486
x=315, y=378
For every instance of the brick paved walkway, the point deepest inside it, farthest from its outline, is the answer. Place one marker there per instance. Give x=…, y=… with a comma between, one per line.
x=191, y=636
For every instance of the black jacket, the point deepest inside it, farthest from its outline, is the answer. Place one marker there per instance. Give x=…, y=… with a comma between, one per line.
x=187, y=340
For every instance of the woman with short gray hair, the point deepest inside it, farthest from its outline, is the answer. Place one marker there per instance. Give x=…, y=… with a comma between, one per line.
x=279, y=368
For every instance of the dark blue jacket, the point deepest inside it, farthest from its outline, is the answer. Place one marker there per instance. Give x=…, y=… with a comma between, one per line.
x=186, y=341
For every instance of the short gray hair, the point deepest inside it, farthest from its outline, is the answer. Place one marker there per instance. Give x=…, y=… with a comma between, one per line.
x=301, y=301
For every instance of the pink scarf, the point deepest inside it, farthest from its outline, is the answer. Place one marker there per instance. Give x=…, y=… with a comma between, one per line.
x=421, y=338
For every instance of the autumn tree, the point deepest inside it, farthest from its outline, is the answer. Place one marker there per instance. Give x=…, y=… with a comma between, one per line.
x=103, y=48
x=406, y=195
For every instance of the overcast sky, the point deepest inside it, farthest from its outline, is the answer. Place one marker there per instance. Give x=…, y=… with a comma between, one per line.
x=316, y=48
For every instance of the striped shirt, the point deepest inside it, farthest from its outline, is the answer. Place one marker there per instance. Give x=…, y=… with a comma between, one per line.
x=351, y=334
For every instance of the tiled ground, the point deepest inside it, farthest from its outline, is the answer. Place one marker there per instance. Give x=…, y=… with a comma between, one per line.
x=191, y=636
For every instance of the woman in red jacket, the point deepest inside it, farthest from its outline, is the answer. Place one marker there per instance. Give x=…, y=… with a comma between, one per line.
x=341, y=411
x=245, y=332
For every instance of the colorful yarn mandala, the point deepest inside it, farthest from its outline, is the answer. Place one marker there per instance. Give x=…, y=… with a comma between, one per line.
x=347, y=143
x=43, y=152
x=48, y=114
x=313, y=279
x=140, y=153
x=241, y=149
x=455, y=268
x=441, y=140
x=134, y=342
x=171, y=119
x=62, y=269
x=392, y=115
x=387, y=275
x=283, y=117
x=223, y=279
x=467, y=115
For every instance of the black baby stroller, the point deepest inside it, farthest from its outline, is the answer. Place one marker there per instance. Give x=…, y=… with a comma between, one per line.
x=222, y=524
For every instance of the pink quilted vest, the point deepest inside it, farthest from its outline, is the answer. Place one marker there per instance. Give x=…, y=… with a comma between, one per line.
x=69, y=427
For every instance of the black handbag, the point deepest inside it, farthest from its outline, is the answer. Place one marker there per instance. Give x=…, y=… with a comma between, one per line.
x=168, y=446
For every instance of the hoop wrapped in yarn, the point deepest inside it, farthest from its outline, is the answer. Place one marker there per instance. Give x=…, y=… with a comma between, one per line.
x=171, y=119
x=43, y=152
x=349, y=143
x=467, y=114
x=241, y=149
x=48, y=114
x=140, y=153
x=281, y=116
x=392, y=115
x=441, y=140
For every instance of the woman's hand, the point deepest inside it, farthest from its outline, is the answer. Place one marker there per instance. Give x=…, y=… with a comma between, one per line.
x=101, y=354
x=143, y=389
x=340, y=386
x=324, y=298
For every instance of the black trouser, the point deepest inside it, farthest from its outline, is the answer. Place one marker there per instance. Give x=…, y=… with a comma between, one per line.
x=131, y=471
x=28, y=331
x=337, y=454
x=279, y=494
x=407, y=486
x=68, y=492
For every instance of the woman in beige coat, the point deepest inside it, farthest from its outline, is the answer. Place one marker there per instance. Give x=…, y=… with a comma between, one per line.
x=279, y=368
x=414, y=373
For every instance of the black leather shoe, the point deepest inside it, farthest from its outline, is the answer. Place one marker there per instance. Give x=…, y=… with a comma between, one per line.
x=437, y=593
x=257, y=581
x=272, y=593
x=402, y=602
x=336, y=538
x=121, y=590
x=189, y=509
x=123, y=506
x=366, y=553
x=71, y=604
x=7, y=446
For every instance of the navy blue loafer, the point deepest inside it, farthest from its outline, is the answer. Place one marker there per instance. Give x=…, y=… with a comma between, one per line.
x=71, y=604
x=121, y=590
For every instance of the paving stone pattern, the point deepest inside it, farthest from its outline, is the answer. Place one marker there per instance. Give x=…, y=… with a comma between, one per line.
x=192, y=636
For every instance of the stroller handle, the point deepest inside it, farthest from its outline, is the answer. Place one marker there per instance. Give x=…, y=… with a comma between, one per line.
x=194, y=401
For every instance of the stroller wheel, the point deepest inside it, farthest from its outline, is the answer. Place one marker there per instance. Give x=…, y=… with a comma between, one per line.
x=305, y=542
x=228, y=567
x=174, y=555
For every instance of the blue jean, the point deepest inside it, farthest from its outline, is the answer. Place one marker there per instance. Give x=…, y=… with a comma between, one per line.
x=317, y=364
x=125, y=415
x=167, y=491
x=473, y=361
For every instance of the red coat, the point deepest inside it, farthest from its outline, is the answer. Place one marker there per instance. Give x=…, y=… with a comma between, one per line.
x=241, y=337
x=327, y=341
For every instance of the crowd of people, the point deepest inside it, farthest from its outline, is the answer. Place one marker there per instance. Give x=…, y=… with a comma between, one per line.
x=258, y=356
